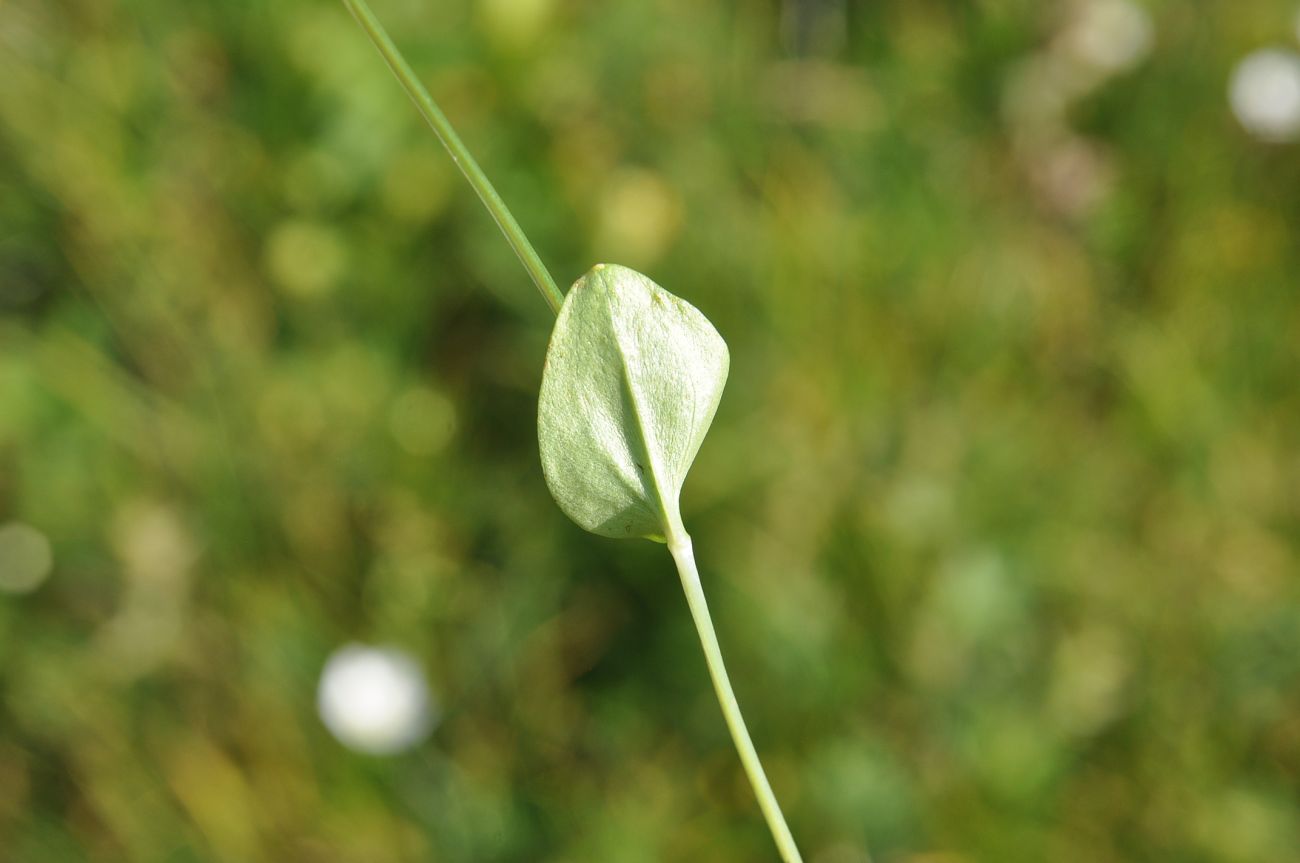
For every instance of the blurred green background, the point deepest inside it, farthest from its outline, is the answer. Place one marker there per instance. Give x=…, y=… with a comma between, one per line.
x=1000, y=516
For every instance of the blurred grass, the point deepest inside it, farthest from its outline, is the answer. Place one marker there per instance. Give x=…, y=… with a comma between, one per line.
x=999, y=516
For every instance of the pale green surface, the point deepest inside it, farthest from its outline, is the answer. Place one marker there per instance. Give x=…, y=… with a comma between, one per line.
x=632, y=380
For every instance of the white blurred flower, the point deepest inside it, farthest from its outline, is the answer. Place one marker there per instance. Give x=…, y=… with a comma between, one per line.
x=1265, y=94
x=25, y=558
x=1110, y=35
x=374, y=699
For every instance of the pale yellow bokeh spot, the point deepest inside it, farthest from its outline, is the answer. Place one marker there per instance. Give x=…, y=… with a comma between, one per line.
x=638, y=219
x=305, y=258
x=514, y=25
x=417, y=184
x=25, y=558
x=422, y=421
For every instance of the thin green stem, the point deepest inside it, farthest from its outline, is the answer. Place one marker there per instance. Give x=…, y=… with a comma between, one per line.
x=684, y=555
x=459, y=153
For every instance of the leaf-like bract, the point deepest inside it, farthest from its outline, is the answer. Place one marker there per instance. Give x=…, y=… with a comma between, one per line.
x=633, y=377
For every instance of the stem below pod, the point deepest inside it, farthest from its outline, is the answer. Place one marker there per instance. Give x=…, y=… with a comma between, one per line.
x=679, y=545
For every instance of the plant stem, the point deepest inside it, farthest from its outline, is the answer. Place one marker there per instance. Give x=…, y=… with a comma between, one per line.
x=458, y=152
x=679, y=545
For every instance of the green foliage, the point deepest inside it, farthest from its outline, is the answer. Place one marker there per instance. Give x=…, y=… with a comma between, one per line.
x=998, y=516
x=633, y=377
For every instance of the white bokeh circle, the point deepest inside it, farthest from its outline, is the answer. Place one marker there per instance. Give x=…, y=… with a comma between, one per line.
x=1265, y=94
x=375, y=699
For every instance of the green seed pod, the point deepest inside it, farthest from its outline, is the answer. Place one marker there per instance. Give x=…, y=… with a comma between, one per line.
x=632, y=380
